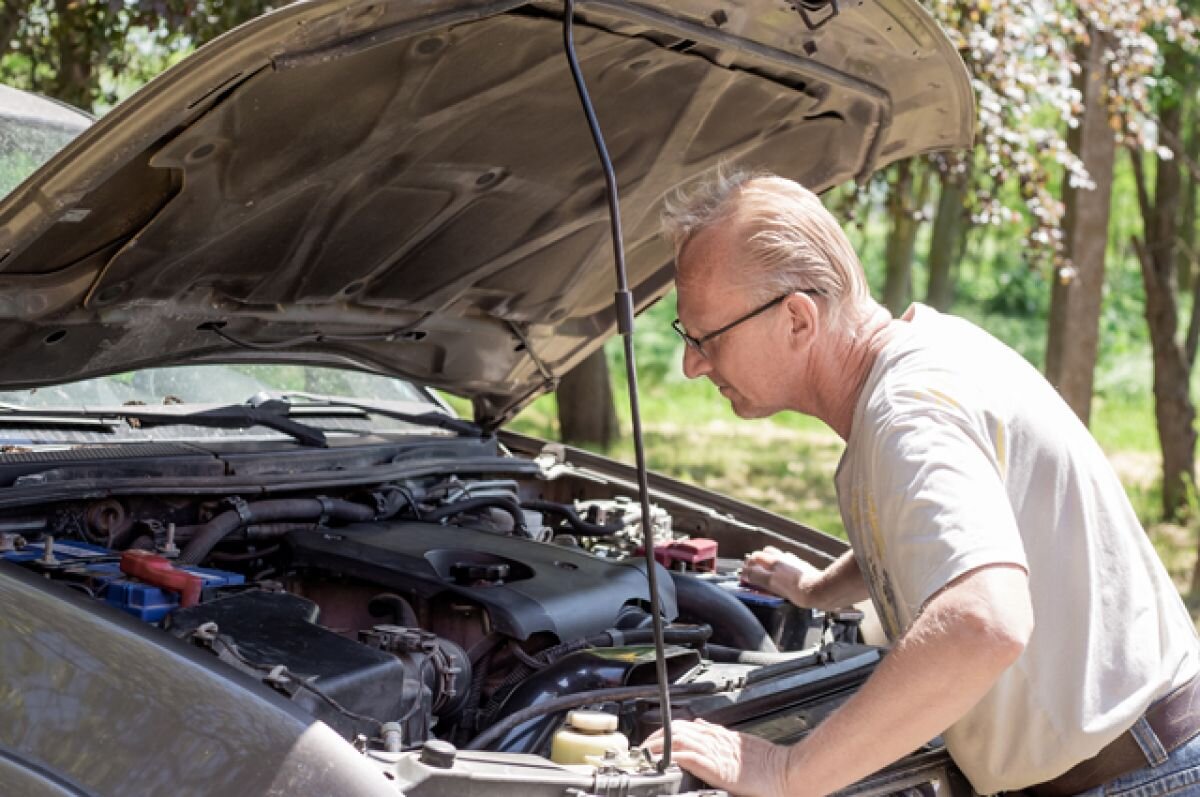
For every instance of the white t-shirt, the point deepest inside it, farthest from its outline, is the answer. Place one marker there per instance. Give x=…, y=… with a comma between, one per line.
x=962, y=455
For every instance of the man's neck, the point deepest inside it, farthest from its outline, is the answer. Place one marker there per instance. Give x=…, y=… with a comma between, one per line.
x=847, y=364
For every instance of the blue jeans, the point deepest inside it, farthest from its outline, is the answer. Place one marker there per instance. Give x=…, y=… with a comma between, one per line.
x=1177, y=775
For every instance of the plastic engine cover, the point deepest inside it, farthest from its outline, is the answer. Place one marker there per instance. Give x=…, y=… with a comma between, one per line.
x=527, y=587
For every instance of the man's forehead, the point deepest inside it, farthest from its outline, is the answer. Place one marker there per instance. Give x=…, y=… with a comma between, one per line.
x=707, y=279
x=709, y=257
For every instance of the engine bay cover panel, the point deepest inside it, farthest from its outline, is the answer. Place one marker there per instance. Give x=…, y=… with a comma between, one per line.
x=527, y=587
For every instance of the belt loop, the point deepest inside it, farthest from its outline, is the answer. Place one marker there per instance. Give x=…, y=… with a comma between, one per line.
x=1147, y=739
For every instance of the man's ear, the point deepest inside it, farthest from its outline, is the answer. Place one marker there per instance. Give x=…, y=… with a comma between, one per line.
x=803, y=317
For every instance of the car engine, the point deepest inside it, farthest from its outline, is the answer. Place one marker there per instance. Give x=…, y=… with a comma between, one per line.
x=425, y=617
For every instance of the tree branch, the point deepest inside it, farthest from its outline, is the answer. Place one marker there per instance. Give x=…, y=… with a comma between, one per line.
x=1139, y=180
x=1172, y=142
x=1144, y=258
x=1193, y=328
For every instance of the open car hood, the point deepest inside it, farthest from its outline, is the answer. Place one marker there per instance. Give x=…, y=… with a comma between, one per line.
x=410, y=187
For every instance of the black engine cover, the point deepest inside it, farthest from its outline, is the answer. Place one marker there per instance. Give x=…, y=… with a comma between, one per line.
x=526, y=586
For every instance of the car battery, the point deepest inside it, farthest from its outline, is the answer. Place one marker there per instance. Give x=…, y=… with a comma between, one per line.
x=98, y=570
x=62, y=553
x=790, y=627
x=150, y=602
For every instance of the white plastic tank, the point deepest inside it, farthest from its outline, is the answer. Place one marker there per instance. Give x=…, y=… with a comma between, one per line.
x=587, y=733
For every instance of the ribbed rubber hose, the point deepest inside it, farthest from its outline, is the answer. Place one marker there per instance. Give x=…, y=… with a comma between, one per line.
x=209, y=535
x=733, y=624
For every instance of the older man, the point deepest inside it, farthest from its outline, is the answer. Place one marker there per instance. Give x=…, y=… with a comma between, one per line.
x=1032, y=624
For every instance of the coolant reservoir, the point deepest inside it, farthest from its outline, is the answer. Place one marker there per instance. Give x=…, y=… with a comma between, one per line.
x=587, y=733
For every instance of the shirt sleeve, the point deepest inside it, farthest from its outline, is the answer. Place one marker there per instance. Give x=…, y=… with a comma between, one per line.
x=943, y=508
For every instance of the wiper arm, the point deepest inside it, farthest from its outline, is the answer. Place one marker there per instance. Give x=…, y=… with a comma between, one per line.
x=271, y=414
x=54, y=419
x=436, y=420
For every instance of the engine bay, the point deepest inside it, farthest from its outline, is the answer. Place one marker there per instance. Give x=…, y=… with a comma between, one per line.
x=459, y=610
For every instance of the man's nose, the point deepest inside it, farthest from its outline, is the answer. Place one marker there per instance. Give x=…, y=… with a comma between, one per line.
x=695, y=364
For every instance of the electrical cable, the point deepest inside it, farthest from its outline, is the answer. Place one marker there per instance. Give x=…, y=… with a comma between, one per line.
x=624, y=311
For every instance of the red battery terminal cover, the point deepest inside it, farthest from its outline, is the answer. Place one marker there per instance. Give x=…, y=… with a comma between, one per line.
x=154, y=569
x=698, y=554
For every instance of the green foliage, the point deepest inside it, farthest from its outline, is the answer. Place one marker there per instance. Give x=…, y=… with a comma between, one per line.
x=15, y=166
x=91, y=53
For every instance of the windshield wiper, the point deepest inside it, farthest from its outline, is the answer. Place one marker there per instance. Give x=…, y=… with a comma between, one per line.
x=271, y=414
x=436, y=420
x=260, y=410
x=55, y=419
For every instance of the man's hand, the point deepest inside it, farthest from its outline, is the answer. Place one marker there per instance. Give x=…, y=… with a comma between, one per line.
x=784, y=574
x=741, y=764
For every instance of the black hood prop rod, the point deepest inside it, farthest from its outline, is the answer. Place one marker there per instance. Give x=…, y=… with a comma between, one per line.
x=624, y=310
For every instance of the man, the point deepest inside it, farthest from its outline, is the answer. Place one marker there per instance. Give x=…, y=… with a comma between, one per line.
x=1032, y=624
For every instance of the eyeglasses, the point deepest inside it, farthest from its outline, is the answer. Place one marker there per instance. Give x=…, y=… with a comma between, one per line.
x=697, y=344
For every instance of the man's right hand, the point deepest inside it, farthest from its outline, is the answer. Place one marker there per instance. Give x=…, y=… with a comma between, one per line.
x=781, y=573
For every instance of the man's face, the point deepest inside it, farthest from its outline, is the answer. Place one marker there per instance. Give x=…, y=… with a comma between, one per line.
x=743, y=362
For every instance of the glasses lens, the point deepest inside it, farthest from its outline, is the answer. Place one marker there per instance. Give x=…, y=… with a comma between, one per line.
x=688, y=340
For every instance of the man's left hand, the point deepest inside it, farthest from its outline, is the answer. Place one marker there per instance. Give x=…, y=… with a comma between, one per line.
x=737, y=762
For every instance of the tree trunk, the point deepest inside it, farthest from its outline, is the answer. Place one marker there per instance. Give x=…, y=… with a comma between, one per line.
x=11, y=15
x=585, y=404
x=1185, y=255
x=904, y=200
x=1174, y=411
x=76, y=81
x=1074, y=329
x=949, y=230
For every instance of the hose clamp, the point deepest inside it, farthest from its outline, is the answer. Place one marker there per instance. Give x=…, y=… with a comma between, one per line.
x=326, y=510
x=242, y=508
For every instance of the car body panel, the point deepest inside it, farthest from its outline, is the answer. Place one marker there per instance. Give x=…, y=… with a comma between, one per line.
x=90, y=695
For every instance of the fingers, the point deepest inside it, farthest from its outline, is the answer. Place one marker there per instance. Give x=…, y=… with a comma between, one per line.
x=685, y=735
x=695, y=763
x=720, y=757
x=758, y=567
x=756, y=575
x=765, y=557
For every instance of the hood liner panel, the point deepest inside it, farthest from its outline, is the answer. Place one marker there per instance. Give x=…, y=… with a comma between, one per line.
x=443, y=220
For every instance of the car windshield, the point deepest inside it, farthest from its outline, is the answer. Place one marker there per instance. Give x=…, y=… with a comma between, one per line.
x=217, y=384
x=32, y=129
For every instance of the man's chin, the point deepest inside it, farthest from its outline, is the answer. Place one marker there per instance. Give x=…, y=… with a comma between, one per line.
x=745, y=410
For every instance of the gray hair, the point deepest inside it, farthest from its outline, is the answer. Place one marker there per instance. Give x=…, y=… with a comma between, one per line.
x=792, y=242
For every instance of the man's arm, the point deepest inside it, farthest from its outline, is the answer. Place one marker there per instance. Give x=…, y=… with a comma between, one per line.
x=837, y=586
x=966, y=636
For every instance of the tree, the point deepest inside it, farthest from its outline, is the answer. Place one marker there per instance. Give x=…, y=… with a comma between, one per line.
x=1074, y=330
x=63, y=48
x=905, y=206
x=1020, y=67
x=1151, y=56
x=585, y=404
x=1174, y=410
x=950, y=225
